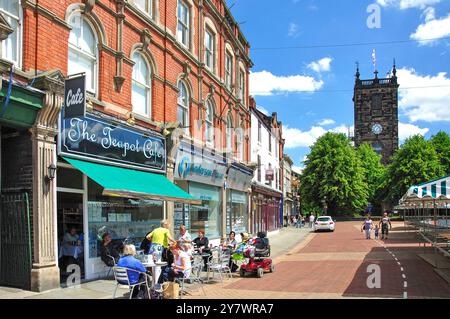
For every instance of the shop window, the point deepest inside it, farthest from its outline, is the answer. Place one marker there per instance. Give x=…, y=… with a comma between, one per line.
x=237, y=212
x=83, y=52
x=141, y=91
x=183, y=25
x=206, y=216
x=183, y=106
x=11, y=48
x=123, y=218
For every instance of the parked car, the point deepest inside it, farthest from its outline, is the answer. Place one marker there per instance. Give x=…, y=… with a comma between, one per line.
x=324, y=223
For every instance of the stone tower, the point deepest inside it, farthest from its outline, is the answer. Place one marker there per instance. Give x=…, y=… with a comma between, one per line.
x=376, y=113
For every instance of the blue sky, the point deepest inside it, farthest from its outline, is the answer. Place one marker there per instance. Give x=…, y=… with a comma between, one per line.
x=311, y=88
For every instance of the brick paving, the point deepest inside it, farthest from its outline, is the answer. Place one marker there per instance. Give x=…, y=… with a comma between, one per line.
x=334, y=265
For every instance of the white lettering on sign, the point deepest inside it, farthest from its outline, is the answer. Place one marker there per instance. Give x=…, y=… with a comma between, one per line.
x=108, y=141
x=74, y=99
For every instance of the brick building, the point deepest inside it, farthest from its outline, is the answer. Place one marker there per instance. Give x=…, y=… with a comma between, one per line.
x=173, y=72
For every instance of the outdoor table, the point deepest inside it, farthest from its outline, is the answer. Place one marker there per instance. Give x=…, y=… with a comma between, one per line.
x=153, y=266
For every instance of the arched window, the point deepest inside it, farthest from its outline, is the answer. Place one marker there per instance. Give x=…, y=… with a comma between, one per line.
x=141, y=90
x=83, y=52
x=229, y=132
x=11, y=48
x=183, y=105
x=240, y=143
x=209, y=121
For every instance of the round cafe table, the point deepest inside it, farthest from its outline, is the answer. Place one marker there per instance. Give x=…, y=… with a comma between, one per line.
x=154, y=266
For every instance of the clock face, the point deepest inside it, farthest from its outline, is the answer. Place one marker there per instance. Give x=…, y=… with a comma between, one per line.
x=377, y=129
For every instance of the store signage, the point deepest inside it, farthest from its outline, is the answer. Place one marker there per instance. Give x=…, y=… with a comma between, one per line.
x=269, y=175
x=239, y=179
x=199, y=168
x=75, y=96
x=99, y=140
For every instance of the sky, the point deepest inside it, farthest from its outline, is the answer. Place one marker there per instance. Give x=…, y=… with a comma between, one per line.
x=305, y=54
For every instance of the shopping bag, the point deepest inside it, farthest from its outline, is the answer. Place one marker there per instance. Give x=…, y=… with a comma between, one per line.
x=171, y=290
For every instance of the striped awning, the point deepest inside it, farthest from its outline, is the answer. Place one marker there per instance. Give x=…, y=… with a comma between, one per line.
x=430, y=191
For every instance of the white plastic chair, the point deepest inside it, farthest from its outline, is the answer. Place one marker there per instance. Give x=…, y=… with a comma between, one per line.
x=121, y=276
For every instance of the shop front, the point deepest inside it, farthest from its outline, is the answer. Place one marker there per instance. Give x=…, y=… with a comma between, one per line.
x=201, y=173
x=266, y=207
x=238, y=184
x=110, y=179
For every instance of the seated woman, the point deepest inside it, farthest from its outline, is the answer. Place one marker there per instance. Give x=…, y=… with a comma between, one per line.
x=230, y=245
x=181, y=267
x=108, y=251
x=131, y=263
x=201, y=243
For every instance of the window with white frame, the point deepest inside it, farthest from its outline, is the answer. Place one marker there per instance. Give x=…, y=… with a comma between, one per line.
x=209, y=49
x=209, y=121
x=259, y=131
x=83, y=52
x=183, y=25
x=11, y=48
x=228, y=70
x=241, y=86
x=141, y=87
x=229, y=132
x=240, y=143
x=146, y=6
x=183, y=106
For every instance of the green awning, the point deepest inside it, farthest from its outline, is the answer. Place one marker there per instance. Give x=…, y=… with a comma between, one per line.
x=130, y=183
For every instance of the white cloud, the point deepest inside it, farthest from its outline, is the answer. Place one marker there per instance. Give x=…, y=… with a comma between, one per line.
x=293, y=30
x=266, y=83
x=322, y=65
x=326, y=122
x=406, y=130
x=263, y=110
x=424, y=97
x=432, y=28
x=406, y=4
x=296, y=138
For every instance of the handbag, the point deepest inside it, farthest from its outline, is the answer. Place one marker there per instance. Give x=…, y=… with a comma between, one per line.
x=171, y=290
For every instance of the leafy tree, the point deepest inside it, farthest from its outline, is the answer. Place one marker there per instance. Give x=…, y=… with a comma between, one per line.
x=441, y=143
x=415, y=162
x=333, y=170
x=373, y=169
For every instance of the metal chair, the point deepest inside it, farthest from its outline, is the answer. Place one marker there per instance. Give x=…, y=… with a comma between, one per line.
x=194, y=277
x=123, y=280
x=218, y=262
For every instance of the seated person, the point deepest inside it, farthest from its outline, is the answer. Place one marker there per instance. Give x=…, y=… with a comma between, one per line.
x=201, y=243
x=181, y=267
x=108, y=251
x=130, y=262
x=230, y=242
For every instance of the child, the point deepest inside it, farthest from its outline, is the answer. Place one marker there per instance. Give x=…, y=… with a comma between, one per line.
x=377, y=230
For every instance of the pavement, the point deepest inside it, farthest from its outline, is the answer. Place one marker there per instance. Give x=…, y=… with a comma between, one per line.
x=281, y=241
x=339, y=265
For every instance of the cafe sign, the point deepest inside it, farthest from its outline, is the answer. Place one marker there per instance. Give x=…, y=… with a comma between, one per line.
x=75, y=96
x=108, y=143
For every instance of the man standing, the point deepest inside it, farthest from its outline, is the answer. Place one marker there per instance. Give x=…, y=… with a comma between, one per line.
x=159, y=238
x=385, y=224
x=311, y=220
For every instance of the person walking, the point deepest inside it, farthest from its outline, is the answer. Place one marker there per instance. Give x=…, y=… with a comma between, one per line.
x=159, y=238
x=385, y=224
x=311, y=220
x=367, y=226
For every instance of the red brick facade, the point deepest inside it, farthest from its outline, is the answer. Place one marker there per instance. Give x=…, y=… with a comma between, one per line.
x=121, y=28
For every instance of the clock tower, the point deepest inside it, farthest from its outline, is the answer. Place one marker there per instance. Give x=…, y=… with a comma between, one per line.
x=376, y=113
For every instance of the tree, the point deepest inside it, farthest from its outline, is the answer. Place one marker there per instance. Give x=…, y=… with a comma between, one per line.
x=373, y=169
x=441, y=144
x=414, y=163
x=333, y=170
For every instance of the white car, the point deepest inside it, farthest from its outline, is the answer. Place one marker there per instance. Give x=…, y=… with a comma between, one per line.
x=324, y=223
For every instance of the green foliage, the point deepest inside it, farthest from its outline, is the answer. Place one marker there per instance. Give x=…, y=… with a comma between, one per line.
x=415, y=162
x=333, y=170
x=441, y=143
x=373, y=169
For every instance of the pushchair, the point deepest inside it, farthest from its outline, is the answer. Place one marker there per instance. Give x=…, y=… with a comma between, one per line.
x=258, y=252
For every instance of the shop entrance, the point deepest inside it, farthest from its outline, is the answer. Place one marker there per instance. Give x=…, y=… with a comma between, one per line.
x=70, y=222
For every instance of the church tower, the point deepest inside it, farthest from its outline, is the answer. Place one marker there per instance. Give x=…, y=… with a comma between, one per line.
x=376, y=113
